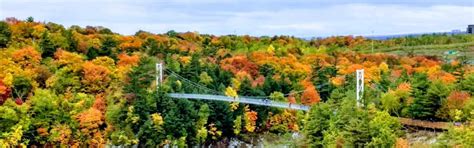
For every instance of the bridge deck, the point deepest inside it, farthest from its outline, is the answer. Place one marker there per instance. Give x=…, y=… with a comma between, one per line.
x=245, y=100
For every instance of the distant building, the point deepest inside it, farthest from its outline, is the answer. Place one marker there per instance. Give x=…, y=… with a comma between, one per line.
x=457, y=31
x=470, y=29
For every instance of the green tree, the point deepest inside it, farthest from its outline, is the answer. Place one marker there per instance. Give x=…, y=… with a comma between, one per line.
x=222, y=117
x=391, y=102
x=422, y=105
x=152, y=47
x=468, y=83
x=15, y=122
x=458, y=136
x=5, y=34
x=30, y=19
x=384, y=129
x=237, y=125
x=344, y=124
x=109, y=45
x=172, y=33
x=317, y=122
x=70, y=40
x=48, y=110
x=205, y=78
x=21, y=87
x=92, y=53
x=151, y=133
x=46, y=45
x=180, y=121
x=64, y=80
x=201, y=123
x=105, y=31
x=277, y=96
x=427, y=104
x=321, y=76
x=141, y=78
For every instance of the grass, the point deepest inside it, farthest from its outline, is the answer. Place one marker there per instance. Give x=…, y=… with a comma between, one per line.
x=465, y=49
x=445, y=47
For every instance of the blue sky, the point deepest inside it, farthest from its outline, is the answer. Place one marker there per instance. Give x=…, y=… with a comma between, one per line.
x=302, y=18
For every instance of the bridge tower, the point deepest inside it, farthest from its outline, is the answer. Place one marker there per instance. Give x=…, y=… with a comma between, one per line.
x=159, y=74
x=359, y=86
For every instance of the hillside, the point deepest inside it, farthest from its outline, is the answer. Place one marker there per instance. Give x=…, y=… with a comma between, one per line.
x=88, y=87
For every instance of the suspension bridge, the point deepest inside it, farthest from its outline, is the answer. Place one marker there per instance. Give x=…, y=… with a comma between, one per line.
x=214, y=95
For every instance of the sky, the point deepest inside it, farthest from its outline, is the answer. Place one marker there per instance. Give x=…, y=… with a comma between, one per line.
x=301, y=18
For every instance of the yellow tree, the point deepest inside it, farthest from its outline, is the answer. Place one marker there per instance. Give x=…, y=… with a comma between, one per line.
x=230, y=92
x=68, y=59
x=27, y=57
x=250, y=118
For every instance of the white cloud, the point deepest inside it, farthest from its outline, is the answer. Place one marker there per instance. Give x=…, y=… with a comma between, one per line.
x=249, y=17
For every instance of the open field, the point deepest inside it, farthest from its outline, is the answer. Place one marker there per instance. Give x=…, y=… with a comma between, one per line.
x=464, y=49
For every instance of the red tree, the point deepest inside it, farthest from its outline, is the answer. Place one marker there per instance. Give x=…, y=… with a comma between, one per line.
x=4, y=92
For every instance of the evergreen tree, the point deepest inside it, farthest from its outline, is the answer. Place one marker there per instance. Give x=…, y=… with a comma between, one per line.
x=201, y=123
x=345, y=125
x=152, y=47
x=422, y=107
x=321, y=76
x=180, y=121
x=172, y=33
x=468, y=83
x=318, y=121
x=108, y=47
x=5, y=34
x=222, y=117
x=30, y=19
x=141, y=78
x=46, y=45
x=72, y=43
x=384, y=83
x=92, y=53
x=192, y=70
x=246, y=89
x=21, y=87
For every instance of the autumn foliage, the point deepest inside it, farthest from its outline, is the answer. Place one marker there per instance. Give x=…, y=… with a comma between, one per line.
x=96, y=77
x=100, y=88
x=126, y=60
x=310, y=96
x=453, y=104
x=250, y=119
x=27, y=57
x=90, y=122
x=4, y=92
x=239, y=64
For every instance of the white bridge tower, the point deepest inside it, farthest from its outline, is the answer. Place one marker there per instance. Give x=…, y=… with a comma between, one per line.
x=360, y=86
x=159, y=74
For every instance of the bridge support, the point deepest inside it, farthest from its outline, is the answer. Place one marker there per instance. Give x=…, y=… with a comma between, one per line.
x=159, y=74
x=360, y=86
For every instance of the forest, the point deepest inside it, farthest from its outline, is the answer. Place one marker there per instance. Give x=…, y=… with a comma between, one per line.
x=91, y=87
